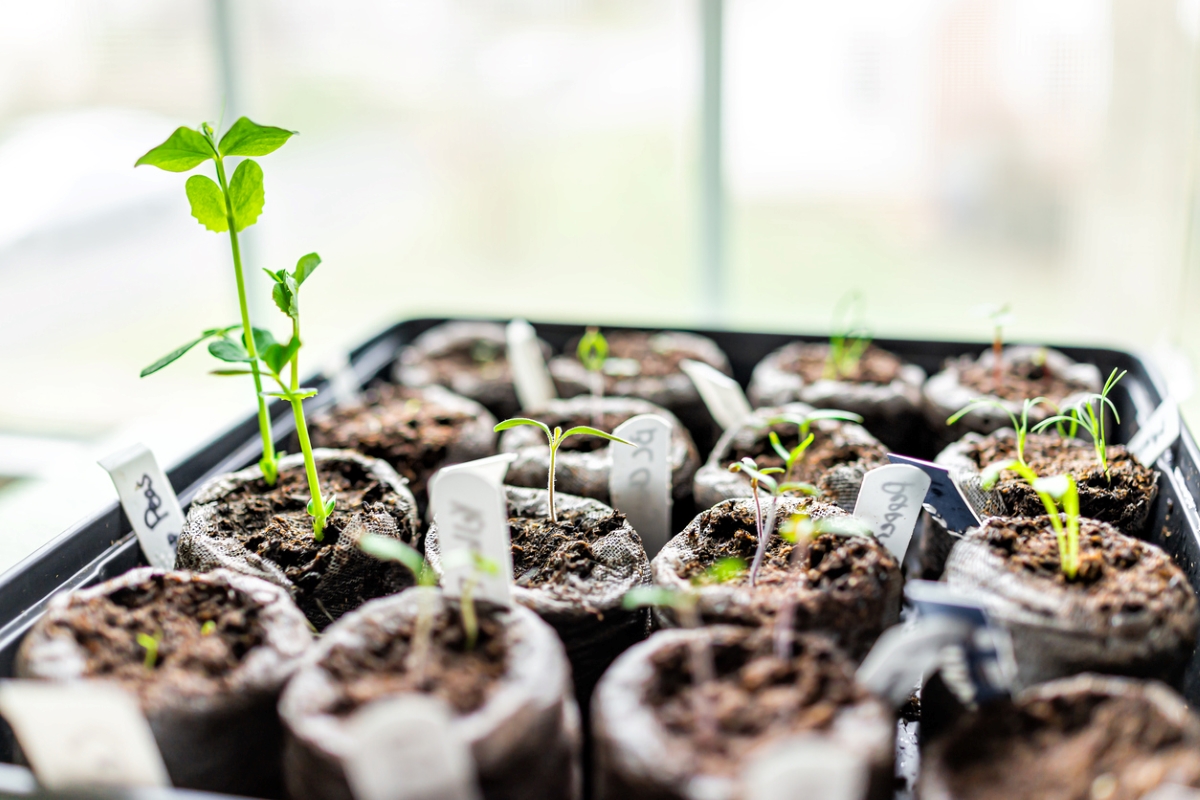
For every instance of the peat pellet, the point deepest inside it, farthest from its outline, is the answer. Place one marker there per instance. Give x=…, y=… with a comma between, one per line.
x=883, y=389
x=1088, y=736
x=574, y=574
x=469, y=359
x=840, y=455
x=238, y=522
x=583, y=463
x=1027, y=372
x=1128, y=611
x=645, y=732
x=417, y=430
x=227, y=643
x=509, y=696
x=848, y=586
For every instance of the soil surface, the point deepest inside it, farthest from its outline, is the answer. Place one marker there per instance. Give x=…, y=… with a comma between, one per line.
x=1020, y=379
x=811, y=362
x=582, y=443
x=757, y=697
x=1122, y=497
x=657, y=356
x=384, y=667
x=1119, y=574
x=483, y=357
x=394, y=424
x=827, y=450
x=204, y=631
x=1079, y=748
x=273, y=522
x=549, y=553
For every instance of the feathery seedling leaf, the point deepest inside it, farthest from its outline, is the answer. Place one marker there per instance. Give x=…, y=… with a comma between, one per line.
x=1020, y=424
x=1058, y=493
x=1088, y=413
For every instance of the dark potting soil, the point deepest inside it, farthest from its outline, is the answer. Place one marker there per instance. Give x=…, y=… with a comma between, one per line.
x=827, y=450
x=1019, y=379
x=192, y=660
x=657, y=356
x=394, y=424
x=756, y=697
x=811, y=362
x=1077, y=748
x=544, y=552
x=1122, y=497
x=582, y=443
x=273, y=522
x=383, y=667
x=1119, y=574
x=482, y=357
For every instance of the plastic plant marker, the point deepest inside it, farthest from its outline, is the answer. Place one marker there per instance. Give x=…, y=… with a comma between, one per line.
x=471, y=512
x=82, y=734
x=531, y=378
x=721, y=394
x=149, y=502
x=1157, y=434
x=639, y=483
x=820, y=767
x=944, y=494
x=890, y=502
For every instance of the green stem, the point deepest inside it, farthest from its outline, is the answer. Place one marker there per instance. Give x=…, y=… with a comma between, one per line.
x=268, y=464
x=317, y=503
x=553, y=452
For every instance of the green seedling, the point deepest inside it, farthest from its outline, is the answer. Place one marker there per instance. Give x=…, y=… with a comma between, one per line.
x=1088, y=413
x=150, y=645
x=208, y=628
x=766, y=526
x=1020, y=424
x=592, y=353
x=226, y=205
x=555, y=439
x=685, y=603
x=850, y=337
x=1058, y=494
x=1000, y=316
x=470, y=619
x=792, y=458
x=385, y=548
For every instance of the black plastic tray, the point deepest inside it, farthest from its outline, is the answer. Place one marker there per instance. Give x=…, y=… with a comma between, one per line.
x=103, y=546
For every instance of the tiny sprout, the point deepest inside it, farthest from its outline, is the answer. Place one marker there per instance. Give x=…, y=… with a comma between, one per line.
x=804, y=422
x=850, y=337
x=385, y=548
x=555, y=439
x=1020, y=425
x=208, y=628
x=762, y=477
x=1000, y=316
x=1088, y=413
x=593, y=352
x=1058, y=493
x=469, y=619
x=150, y=645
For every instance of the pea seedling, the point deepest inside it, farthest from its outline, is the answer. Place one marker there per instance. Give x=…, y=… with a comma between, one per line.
x=150, y=645
x=1058, y=493
x=1088, y=413
x=1020, y=425
x=592, y=353
x=385, y=548
x=685, y=603
x=850, y=338
x=232, y=206
x=791, y=458
x=555, y=439
x=1000, y=316
x=766, y=527
x=208, y=628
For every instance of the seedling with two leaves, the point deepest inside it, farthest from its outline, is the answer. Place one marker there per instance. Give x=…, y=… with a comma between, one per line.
x=592, y=353
x=226, y=205
x=1060, y=495
x=792, y=458
x=150, y=644
x=1020, y=424
x=1088, y=413
x=555, y=439
x=850, y=338
x=765, y=525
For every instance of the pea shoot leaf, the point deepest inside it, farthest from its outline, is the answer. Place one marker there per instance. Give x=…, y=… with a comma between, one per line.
x=246, y=194
x=208, y=206
x=183, y=150
x=228, y=350
x=247, y=138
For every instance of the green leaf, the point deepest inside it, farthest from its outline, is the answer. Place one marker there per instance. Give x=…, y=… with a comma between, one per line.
x=229, y=372
x=725, y=570
x=991, y=474
x=183, y=150
x=584, y=430
x=778, y=446
x=247, y=138
x=228, y=350
x=592, y=350
x=282, y=297
x=208, y=204
x=833, y=413
x=293, y=291
x=803, y=488
x=306, y=266
x=178, y=352
x=386, y=548
x=649, y=596
x=1056, y=486
x=246, y=194
x=278, y=355
x=263, y=339
x=514, y=422
x=330, y=506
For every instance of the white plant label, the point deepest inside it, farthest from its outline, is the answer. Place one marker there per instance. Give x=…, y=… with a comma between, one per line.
x=406, y=749
x=1157, y=434
x=721, y=394
x=1173, y=791
x=85, y=733
x=471, y=513
x=639, y=483
x=806, y=766
x=890, y=502
x=149, y=502
x=531, y=378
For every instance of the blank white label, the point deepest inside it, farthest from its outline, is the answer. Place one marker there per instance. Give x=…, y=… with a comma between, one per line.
x=406, y=749
x=471, y=513
x=890, y=502
x=1173, y=791
x=806, y=766
x=85, y=733
x=149, y=502
x=530, y=376
x=721, y=394
x=640, y=481
x=1156, y=434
